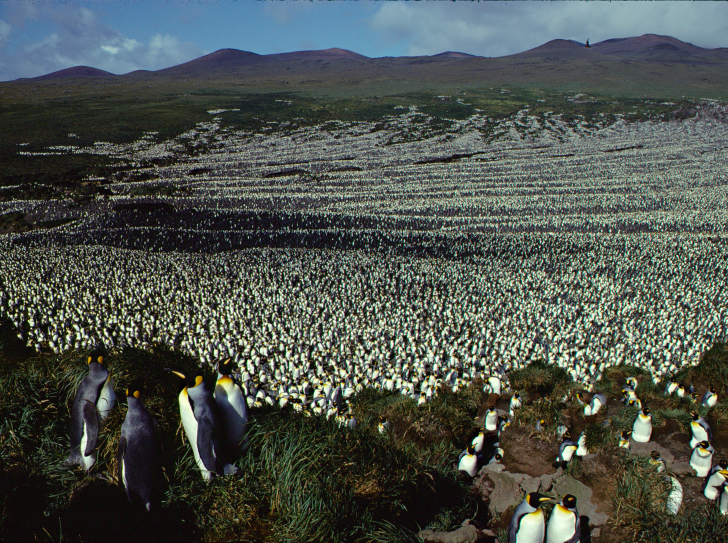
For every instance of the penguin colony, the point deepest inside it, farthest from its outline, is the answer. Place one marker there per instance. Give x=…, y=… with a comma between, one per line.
x=399, y=322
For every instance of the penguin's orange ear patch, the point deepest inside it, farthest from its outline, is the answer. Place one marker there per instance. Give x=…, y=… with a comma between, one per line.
x=136, y=394
x=89, y=360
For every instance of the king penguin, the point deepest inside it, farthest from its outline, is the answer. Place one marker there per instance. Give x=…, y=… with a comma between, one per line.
x=528, y=523
x=642, y=427
x=566, y=451
x=700, y=429
x=710, y=398
x=491, y=419
x=716, y=477
x=564, y=523
x=139, y=454
x=468, y=461
x=702, y=458
x=597, y=402
x=233, y=407
x=94, y=399
x=202, y=422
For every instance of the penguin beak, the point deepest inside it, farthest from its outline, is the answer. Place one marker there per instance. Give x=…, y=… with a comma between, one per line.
x=724, y=472
x=545, y=499
x=178, y=374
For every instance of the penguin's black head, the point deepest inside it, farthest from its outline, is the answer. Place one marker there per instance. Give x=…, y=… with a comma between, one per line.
x=226, y=367
x=569, y=501
x=97, y=355
x=655, y=455
x=723, y=463
x=626, y=434
x=645, y=411
x=696, y=416
x=712, y=389
x=567, y=435
x=535, y=499
x=704, y=445
x=382, y=418
x=471, y=449
x=136, y=388
x=491, y=408
x=515, y=395
x=190, y=380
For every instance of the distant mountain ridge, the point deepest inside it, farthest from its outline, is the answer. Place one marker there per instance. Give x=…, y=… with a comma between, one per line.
x=648, y=47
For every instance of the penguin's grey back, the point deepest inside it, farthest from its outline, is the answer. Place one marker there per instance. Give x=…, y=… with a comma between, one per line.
x=140, y=462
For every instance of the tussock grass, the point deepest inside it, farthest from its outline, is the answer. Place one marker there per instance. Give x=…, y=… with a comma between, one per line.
x=303, y=478
x=539, y=378
x=639, y=509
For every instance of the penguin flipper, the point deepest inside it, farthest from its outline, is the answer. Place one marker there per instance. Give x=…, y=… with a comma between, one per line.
x=120, y=458
x=205, y=444
x=91, y=421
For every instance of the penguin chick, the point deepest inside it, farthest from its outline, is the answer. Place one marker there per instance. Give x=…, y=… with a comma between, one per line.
x=139, y=454
x=700, y=429
x=701, y=459
x=528, y=523
x=564, y=524
x=491, y=419
x=94, y=399
x=203, y=425
x=642, y=427
x=233, y=408
x=468, y=461
x=710, y=398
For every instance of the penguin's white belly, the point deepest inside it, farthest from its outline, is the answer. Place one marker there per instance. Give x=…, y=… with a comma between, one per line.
x=531, y=528
x=724, y=501
x=562, y=526
x=468, y=464
x=123, y=474
x=712, y=488
x=699, y=434
x=491, y=422
x=701, y=464
x=106, y=399
x=189, y=423
x=478, y=443
x=567, y=453
x=642, y=429
x=674, y=500
x=86, y=461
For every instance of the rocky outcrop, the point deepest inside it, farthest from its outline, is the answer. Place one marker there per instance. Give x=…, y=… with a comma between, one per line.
x=503, y=489
x=467, y=533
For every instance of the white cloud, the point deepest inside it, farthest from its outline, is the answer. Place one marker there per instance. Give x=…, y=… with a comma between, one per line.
x=5, y=30
x=502, y=28
x=79, y=38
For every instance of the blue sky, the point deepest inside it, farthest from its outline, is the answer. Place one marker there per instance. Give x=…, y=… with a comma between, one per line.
x=39, y=37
